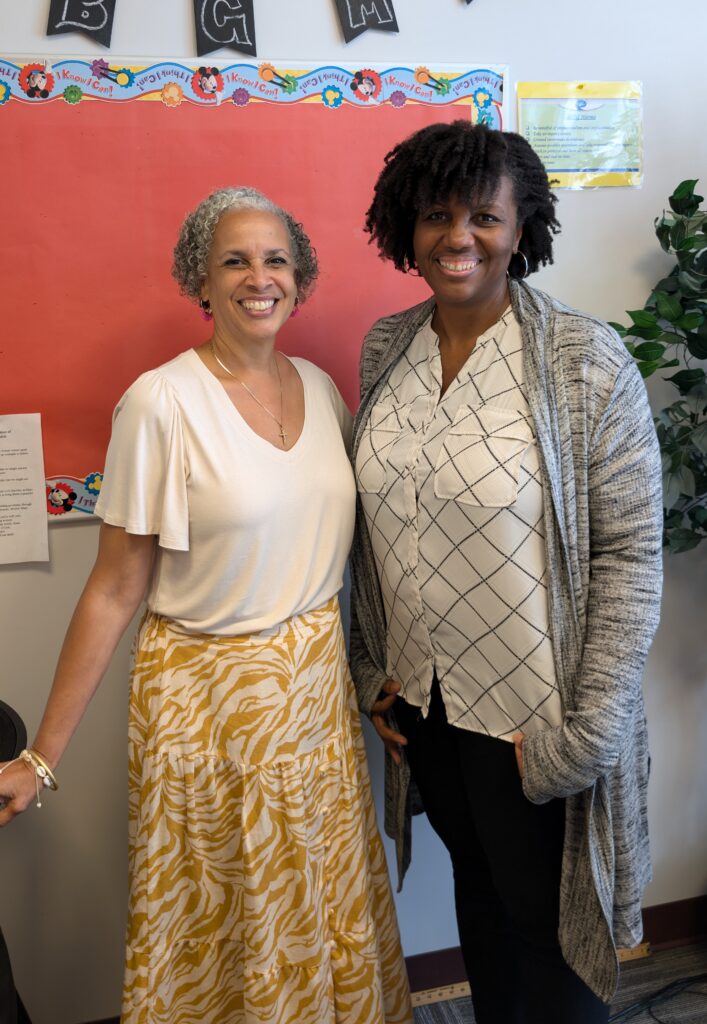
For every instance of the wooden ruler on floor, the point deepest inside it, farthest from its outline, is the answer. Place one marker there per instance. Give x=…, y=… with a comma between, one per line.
x=440, y=995
x=637, y=953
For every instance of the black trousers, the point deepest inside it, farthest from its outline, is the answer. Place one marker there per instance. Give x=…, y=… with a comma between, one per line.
x=506, y=857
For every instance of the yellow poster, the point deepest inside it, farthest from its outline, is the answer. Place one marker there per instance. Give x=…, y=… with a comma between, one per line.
x=588, y=134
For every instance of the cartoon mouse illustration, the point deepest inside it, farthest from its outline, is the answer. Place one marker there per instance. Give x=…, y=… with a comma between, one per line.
x=366, y=84
x=208, y=79
x=37, y=80
x=207, y=82
x=60, y=499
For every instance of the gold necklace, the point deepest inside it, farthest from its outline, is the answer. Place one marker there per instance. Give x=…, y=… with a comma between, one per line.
x=283, y=435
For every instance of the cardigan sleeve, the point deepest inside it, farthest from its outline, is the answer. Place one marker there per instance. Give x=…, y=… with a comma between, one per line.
x=625, y=571
x=367, y=634
x=368, y=678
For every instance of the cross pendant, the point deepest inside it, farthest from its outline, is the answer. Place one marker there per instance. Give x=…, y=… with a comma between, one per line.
x=283, y=436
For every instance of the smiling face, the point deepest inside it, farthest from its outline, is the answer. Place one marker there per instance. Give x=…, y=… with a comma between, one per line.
x=250, y=278
x=463, y=249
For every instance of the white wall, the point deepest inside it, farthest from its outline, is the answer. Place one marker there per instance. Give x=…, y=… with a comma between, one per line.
x=62, y=869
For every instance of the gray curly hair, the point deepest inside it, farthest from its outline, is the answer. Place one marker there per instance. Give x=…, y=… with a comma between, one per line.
x=191, y=253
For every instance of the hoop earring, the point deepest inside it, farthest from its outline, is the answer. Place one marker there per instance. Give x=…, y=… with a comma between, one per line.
x=526, y=270
x=205, y=309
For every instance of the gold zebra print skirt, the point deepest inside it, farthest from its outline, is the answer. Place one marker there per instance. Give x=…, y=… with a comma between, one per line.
x=258, y=884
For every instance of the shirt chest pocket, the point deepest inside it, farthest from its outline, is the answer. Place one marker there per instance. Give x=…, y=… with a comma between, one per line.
x=382, y=431
x=479, y=462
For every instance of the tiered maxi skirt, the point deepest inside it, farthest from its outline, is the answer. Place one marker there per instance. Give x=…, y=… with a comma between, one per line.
x=258, y=885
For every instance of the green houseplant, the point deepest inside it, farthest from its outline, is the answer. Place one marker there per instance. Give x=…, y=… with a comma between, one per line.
x=671, y=331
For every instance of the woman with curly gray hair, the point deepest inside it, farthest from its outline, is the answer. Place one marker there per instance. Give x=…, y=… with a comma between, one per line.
x=258, y=884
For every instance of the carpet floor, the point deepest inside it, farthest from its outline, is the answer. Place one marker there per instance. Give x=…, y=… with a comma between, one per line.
x=640, y=979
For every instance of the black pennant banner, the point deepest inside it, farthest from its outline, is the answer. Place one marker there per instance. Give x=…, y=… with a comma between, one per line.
x=229, y=23
x=219, y=23
x=93, y=17
x=358, y=15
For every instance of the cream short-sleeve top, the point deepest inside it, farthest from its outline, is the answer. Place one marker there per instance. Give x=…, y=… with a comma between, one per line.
x=248, y=534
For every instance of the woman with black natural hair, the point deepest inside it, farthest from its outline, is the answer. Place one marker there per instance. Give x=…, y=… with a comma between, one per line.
x=506, y=578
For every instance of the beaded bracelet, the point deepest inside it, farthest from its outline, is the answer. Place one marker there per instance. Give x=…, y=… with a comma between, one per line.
x=35, y=763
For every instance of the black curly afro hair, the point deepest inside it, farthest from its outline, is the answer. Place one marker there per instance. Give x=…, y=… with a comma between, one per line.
x=456, y=160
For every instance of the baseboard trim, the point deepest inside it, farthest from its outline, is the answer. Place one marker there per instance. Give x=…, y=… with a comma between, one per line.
x=676, y=924
x=440, y=974
x=667, y=924
x=441, y=968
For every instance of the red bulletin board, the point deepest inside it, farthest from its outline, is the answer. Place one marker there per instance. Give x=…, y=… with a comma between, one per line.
x=92, y=199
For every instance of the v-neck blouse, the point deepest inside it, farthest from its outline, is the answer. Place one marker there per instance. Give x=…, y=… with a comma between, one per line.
x=248, y=534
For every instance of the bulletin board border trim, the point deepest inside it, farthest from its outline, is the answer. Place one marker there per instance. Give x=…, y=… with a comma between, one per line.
x=207, y=84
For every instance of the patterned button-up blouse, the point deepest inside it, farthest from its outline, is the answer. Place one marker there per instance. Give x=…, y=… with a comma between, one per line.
x=451, y=492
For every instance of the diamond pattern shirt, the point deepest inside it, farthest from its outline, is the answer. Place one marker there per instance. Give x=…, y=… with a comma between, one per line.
x=450, y=488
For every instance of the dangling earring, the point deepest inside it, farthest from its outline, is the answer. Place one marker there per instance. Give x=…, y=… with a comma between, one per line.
x=205, y=309
x=526, y=270
x=295, y=308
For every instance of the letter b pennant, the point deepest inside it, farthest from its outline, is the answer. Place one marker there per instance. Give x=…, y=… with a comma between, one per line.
x=221, y=23
x=93, y=17
x=358, y=15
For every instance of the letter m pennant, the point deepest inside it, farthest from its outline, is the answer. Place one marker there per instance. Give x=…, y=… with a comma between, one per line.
x=358, y=15
x=93, y=17
x=221, y=23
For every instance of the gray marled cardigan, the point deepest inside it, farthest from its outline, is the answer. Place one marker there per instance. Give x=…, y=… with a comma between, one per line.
x=603, y=521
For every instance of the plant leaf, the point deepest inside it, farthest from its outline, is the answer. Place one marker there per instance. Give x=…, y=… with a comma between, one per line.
x=691, y=283
x=683, y=201
x=699, y=515
x=649, y=351
x=685, y=189
x=671, y=490
x=667, y=284
x=687, y=481
x=684, y=380
x=696, y=400
x=642, y=318
x=646, y=369
x=646, y=333
x=683, y=539
x=692, y=242
x=673, y=520
x=697, y=345
x=662, y=230
x=678, y=233
x=699, y=438
x=619, y=328
x=690, y=321
x=669, y=307
x=678, y=484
